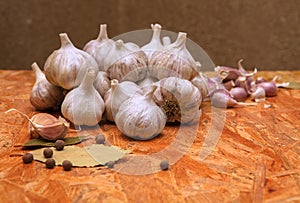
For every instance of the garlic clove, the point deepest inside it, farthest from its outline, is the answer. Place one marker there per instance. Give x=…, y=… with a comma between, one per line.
x=124, y=64
x=84, y=105
x=102, y=83
x=227, y=73
x=67, y=66
x=269, y=87
x=258, y=94
x=100, y=47
x=44, y=95
x=174, y=61
x=239, y=94
x=140, y=118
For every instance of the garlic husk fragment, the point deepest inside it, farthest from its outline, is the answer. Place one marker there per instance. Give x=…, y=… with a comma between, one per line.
x=84, y=105
x=67, y=66
x=46, y=125
x=124, y=64
x=140, y=118
x=116, y=95
x=179, y=99
x=155, y=43
x=102, y=83
x=173, y=61
x=100, y=47
x=44, y=95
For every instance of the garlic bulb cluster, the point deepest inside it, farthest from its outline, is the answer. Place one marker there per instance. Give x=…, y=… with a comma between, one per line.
x=84, y=105
x=44, y=95
x=66, y=66
x=140, y=118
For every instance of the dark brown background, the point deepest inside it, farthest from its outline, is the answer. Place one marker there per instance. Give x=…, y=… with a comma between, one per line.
x=266, y=33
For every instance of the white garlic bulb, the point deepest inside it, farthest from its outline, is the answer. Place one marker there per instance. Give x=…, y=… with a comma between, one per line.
x=100, y=47
x=116, y=95
x=102, y=83
x=175, y=60
x=179, y=98
x=67, y=66
x=155, y=43
x=44, y=95
x=124, y=64
x=84, y=105
x=140, y=118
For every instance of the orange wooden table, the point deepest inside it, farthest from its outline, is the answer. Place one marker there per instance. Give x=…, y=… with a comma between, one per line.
x=256, y=159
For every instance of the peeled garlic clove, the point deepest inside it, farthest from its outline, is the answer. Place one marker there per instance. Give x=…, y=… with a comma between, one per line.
x=116, y=95
x=84, y=105
x=124, y=64
x=173, y=61
x=140, y=118
x=102, y=83
x=179, y=99
x=44, y=95
x=239, y=94
x=100, y=47
x=155, y=43
x=46, y=125
x=269, y=87
x=67, y=66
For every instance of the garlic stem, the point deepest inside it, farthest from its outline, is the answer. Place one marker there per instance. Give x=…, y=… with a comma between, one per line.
x=246, y=104
x=88, y=80
x=156, y=32
x=113, y=84
x=37, y=71
x=166, y=40
x=180, y=41
x=23, y=114
x=119, y=44
x=64, y=40
x=103, y=32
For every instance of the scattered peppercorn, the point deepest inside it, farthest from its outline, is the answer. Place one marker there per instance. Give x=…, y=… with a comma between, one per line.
x=100, y=139
x=59, y=145
x=110, y=164
x=67, y=165
x=27, y=158
x=50, y=163
x=164, y=165
x=48, y=153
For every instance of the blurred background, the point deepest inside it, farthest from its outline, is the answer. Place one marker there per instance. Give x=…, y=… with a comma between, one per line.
x=265, y=33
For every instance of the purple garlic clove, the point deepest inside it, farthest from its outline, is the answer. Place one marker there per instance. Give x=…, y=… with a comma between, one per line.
x=222, y=99
x=269, y=87
x=227, y=73
x=229, y=84
x=260, y=80
x=239, y=94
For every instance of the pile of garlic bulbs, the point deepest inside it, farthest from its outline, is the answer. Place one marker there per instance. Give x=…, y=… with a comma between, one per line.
x=138, y=88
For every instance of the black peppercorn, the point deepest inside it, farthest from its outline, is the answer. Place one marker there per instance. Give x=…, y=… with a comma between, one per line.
x=164, y=165
x=67, y=165
x=27, y=158
x=50, y=163
x=48, y=153
x=59, y=145
x=100, y=139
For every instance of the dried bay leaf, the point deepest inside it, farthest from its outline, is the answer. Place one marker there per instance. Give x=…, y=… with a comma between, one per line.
x=90, y=156
x=40, y=142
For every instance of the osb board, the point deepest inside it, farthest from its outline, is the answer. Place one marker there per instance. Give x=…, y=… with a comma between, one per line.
x=255, y=160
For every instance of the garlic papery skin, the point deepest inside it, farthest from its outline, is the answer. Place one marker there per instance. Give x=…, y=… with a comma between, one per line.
x=174, y=61
x=100, y=47
x=140, y=118
x=67, y=66
x=84, y=105
x=44, y=95
x=179, y=99
x=124, y=64
x=102, y=83
x=155, y=43
x=116, y=95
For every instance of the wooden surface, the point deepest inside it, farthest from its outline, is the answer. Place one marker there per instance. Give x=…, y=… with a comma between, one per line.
x=256, y=159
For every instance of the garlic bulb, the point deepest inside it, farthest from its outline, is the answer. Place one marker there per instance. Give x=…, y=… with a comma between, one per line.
x=84, y=105
x=100, y=47
x=179, y=98
x=44, y=95
x=67, y=66
x=155, y=43
x=175, y=60
x=102, y=83
x=140, y=118
x=116, y=95
x=123, y=64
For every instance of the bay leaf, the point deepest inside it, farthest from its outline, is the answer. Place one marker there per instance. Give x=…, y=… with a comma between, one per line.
x=40, y=142
x=94, y=155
